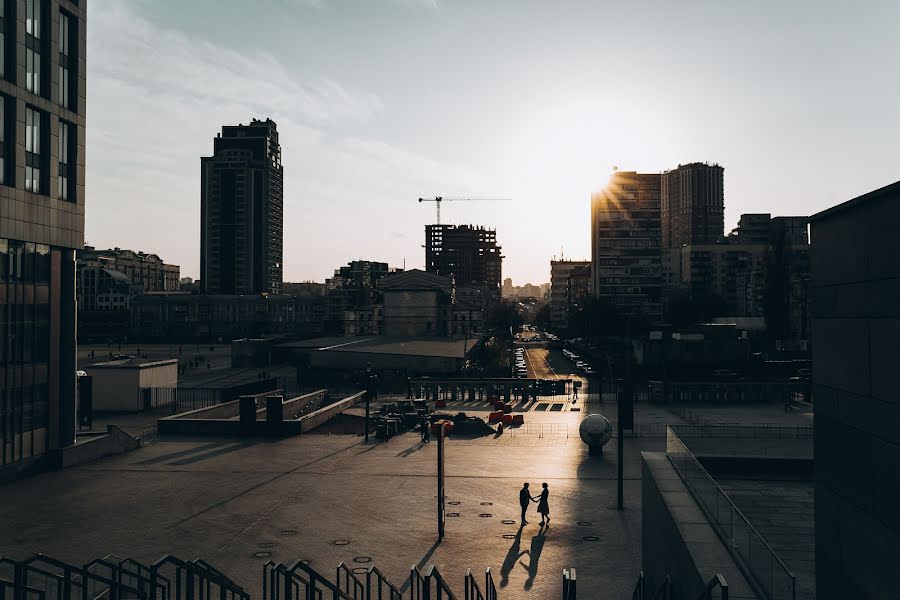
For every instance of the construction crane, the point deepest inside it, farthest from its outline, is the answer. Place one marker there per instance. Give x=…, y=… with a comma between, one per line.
x=439, y=199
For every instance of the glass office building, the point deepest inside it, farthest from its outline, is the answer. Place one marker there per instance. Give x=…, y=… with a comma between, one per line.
x=42, y=156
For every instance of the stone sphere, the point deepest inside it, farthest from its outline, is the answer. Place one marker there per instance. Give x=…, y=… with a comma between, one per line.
x=595, y=431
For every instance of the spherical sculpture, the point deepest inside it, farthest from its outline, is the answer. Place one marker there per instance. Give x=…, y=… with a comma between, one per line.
x=595, y=431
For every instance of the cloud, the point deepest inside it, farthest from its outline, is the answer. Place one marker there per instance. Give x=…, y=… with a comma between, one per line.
x=157, y=97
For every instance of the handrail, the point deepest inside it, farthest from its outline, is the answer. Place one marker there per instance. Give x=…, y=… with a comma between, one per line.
x=665, y=590
x=349, y=583
x=20, y=591
x=490, y=590
x=72, y=576
x=196, y=569
x=570, y=591
x=717, y=581
x=681, y=458
x=393, y=593
x=137, y=578
x=471, y=586
x=420, y=584
x=314, y=581
x=638, y=593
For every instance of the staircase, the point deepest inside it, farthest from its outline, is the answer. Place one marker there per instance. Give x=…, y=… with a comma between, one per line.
x=171, y=578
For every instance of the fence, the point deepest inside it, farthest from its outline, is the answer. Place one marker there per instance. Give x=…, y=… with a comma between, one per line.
x=175, y=400
x=541, y=430
x=749, y=549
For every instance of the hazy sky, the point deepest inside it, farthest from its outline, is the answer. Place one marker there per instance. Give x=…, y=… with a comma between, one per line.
x=379, y=102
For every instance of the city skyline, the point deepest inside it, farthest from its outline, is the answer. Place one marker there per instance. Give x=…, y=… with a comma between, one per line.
x=369, y=125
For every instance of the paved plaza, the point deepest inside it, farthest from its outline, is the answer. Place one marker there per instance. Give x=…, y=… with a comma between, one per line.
x=334, y=498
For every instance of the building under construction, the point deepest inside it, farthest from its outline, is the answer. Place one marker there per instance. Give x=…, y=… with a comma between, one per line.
x=470, y=254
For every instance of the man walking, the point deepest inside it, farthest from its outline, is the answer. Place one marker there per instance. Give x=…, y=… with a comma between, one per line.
x=524, y=500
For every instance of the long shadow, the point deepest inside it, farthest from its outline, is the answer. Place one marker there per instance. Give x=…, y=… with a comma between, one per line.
x=212, y=454
x=537, y=546
x=412, y=449
x=421, y=564
x=181, y=453
x=512, y=557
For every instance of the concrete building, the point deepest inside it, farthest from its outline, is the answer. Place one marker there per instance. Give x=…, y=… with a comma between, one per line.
x=625, y=244
x=117, y=384
x=692, y=206
x=188, y=317
x=417, y=304
x=146, y=272
x=241, y=211
x=42, y=203
x=468, y=254
x=352, y=299
x=855, y=298
x=560, y=271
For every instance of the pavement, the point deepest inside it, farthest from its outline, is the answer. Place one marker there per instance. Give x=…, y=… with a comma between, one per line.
x=239, y=503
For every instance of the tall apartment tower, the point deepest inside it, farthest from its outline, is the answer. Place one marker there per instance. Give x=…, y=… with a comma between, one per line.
x=42, y=157
x=692, y=205
x=625, y=244
x=469, y=254
x=241, y=211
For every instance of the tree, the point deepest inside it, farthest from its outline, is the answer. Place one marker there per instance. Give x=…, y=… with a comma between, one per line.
x=503, y=317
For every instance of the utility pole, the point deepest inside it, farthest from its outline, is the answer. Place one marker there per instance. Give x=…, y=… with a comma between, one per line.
x=369, y=390
x=620, y=421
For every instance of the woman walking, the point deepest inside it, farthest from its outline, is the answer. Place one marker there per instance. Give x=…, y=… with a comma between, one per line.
x=544, y=506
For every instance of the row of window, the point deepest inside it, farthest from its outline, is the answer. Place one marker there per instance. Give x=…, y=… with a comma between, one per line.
x=38, y=51
x=37, y=156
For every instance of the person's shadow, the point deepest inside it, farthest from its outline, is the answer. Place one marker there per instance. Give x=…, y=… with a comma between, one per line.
x=537, y=546
x=511, y=558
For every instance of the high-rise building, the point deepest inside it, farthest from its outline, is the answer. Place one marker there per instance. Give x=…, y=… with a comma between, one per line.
x=625, y=244
x=560, y=271
x=241, y=211
x=42, y=157
x=692, y=206
x=469, y=254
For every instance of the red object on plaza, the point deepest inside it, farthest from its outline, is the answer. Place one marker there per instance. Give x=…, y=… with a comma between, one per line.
x=507, y=420
x=494, y=416
x=440, y=403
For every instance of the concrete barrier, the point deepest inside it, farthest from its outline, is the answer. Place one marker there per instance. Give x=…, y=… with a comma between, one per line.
x=323, y=415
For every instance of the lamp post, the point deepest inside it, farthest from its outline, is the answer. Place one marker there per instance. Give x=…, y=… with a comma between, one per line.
x=370, y=388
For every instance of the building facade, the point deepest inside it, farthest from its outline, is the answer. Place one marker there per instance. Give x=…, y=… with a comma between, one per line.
x=468, y=254
x=186, y=317
x=625, y=244
x=351, y=297
x=855, y=298
x=241, y=211
x=692, y=205
x=42, y=202
x=560, y=272
x=146, y=272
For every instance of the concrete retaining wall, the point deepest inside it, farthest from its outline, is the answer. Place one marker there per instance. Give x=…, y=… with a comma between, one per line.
x=323, y=415
x=678, y=540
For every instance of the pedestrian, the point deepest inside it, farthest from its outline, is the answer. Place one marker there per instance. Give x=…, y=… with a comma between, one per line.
x=426, y=431
x=524, y=500
x=544, y=506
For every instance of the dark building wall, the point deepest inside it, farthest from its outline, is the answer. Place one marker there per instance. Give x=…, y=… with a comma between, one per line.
x=692, y=205
x=855, y=301
x=469, y=254
x=241, y=213
x=42, y=204
x=625, y=244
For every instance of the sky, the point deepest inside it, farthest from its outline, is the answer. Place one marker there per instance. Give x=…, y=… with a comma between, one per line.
x=380, y=102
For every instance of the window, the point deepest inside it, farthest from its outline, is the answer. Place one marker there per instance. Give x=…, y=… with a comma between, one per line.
x=68, y=94
x=66, y=181
x=33, y=150
x=33, y=46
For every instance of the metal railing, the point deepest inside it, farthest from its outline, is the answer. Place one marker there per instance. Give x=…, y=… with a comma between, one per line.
x=743, y=431
x=133, y=574
x=490, y=589
x=473, y=592
x=349, y=583
x=541, y=430
x=716, y=582
x=194, y=580
x=428, y=585
x=298, y=582
x=569, y=591
x=750, y=550
x=379, y=588
x=10, y=591
x=50, y=579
